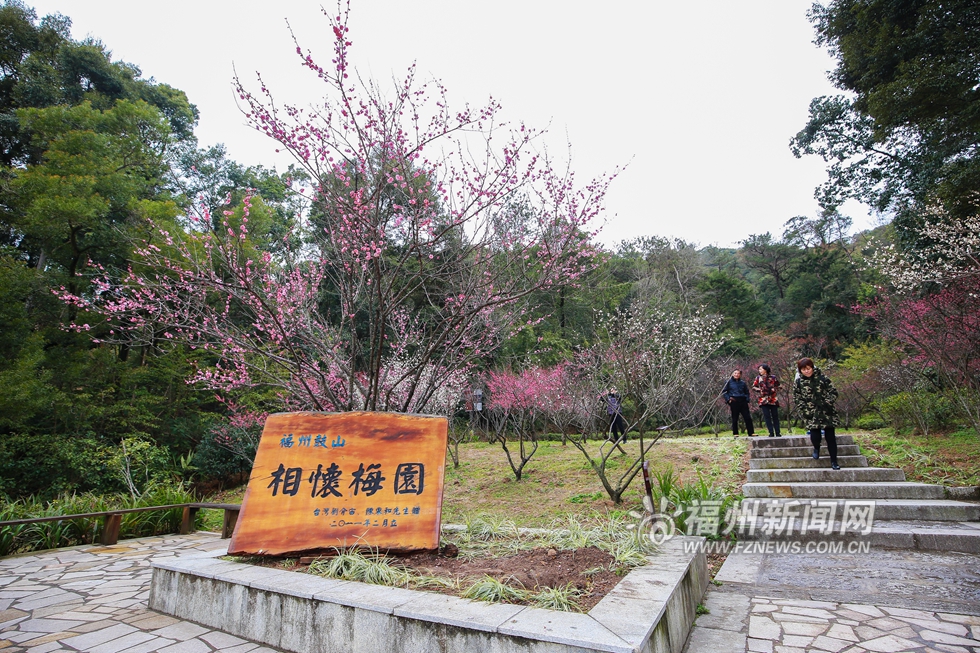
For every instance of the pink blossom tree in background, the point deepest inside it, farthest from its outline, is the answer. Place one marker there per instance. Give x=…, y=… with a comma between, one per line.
x=519, y=405
x=427, y=231
x=567, y=402
x=931, y=307
x=940, y=333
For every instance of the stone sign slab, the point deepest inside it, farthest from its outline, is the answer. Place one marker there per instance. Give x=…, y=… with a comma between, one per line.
x=324, y=481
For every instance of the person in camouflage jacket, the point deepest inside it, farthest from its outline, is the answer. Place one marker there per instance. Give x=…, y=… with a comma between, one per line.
x=814, y=396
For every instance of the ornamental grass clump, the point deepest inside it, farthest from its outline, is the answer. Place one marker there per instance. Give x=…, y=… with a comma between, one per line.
x=493, y=590
x=557, y=598
x=370, y=568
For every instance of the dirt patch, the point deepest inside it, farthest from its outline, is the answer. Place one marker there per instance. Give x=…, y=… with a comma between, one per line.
x=586, y=569
x=715, y=561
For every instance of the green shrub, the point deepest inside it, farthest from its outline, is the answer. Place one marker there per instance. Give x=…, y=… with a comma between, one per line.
x=48, y=466
x=869, y=422
x=71, y=532
x=680, y=501
x=922, y=410
x=226, y=452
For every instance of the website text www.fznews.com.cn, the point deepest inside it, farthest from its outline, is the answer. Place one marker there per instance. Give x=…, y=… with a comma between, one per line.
x=758, y=547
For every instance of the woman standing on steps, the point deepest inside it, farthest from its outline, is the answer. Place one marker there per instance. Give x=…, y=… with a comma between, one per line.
x=815, y=395
x=766, y=386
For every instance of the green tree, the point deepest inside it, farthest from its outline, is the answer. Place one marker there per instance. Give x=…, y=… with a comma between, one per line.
x=97, y=177
x=668, y=270
x=735, y=300
x=910, y=127
x=825, y=284
x=85, y=145
x=772, y=258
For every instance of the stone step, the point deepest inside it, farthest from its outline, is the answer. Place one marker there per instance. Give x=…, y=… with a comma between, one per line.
x=858, y=490
x=961, y=537
x=935, y=510
x=806, y=463
x=765, y=442
x=802, y=452
x=847, y=475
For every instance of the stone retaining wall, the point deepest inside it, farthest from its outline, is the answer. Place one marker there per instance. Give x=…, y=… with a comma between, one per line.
x=650, y=611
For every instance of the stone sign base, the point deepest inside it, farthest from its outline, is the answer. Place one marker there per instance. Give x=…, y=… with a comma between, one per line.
x=650, y=611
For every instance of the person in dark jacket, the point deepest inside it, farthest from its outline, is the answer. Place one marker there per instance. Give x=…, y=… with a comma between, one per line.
x=815, y=395
x=766, y=386
x=614, y=409
x=736, y=395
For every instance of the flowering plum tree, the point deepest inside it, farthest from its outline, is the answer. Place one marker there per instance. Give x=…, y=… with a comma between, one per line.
x=940, y=332
x=951, y=251
x=931, y=306
x=567, y=402
x=518, y=403
x=656, y=358
x=428, y=228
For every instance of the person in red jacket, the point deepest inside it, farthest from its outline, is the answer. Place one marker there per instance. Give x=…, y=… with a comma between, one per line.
x=766, y=385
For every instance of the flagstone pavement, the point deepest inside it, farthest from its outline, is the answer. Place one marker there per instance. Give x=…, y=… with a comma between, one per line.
x=94, y=598
x=893, y=601
x=777, y=625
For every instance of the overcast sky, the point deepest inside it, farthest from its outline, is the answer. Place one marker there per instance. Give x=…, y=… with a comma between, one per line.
x=699, y=98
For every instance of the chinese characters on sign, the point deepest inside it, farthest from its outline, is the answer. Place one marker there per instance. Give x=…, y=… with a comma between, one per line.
x=323, y=480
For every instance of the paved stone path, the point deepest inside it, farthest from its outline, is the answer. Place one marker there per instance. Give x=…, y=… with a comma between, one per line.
x=920, y=598
x=888, y=601
x=94, y=598
x=738, y=623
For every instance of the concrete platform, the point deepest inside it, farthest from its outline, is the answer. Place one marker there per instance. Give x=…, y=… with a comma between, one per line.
x=921, y=580
x=844, y=475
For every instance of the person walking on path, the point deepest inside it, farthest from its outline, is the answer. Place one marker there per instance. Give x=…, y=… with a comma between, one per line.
x=815, y=395
x=614, y=408
x=766, y=385
x=736, y=395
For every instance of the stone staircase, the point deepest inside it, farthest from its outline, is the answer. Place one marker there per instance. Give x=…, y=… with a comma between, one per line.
x=784, y=479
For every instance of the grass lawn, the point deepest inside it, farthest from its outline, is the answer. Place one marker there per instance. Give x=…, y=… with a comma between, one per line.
x=947, y=459
x=559, y=482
